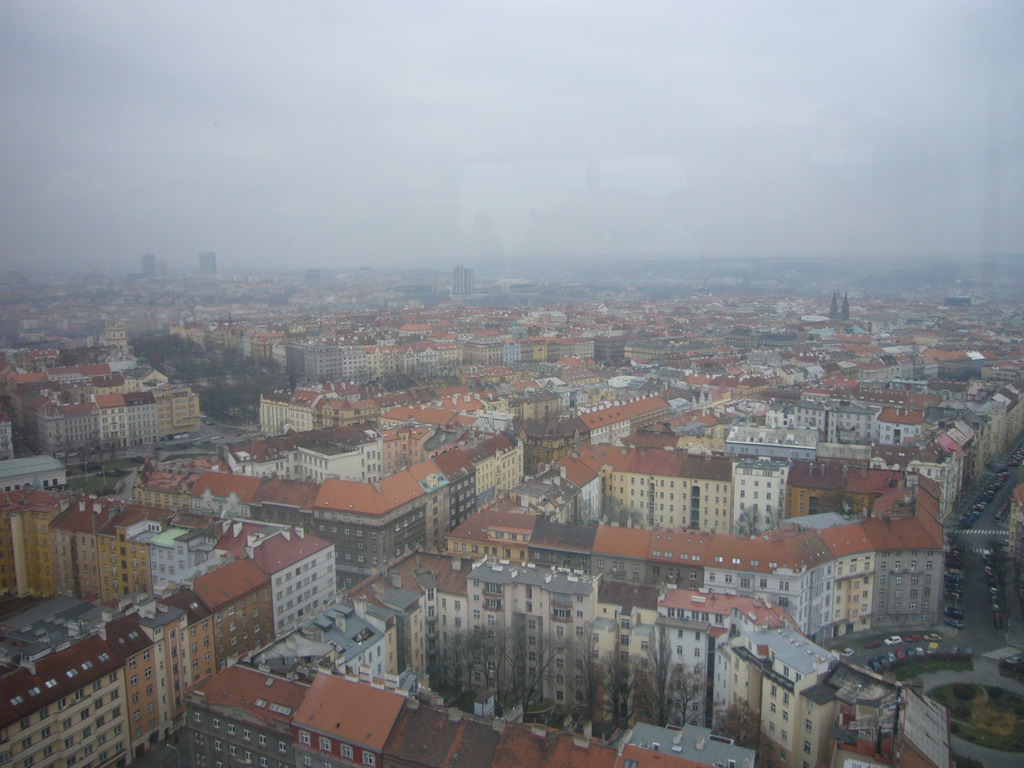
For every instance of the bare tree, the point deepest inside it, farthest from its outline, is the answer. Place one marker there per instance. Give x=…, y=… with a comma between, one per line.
x=621, y=678
x=740, y=723
x=688, y=689
x=590, y=673
x=669, y=690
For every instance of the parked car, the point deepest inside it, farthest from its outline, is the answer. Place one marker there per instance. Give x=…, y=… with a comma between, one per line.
x=934, y=637
x=894, y=640
x=847, y=651
x=955, y=623
x=912, y=638
x=873, y=644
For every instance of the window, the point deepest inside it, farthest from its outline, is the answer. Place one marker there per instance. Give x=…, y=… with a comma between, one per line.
x=325, y=744
x=369, y=758
x=304, y=737
x=346, y=751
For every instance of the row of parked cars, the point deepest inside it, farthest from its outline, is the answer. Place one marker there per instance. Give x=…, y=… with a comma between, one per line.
x=985, y=498
x=954, y=579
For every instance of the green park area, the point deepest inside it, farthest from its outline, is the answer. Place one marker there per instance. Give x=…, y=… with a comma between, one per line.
x=986, y=715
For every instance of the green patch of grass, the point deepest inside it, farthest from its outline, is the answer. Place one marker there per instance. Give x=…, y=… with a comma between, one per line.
x=966, y=762
x=981, y=718
x=96, y=484
x=1014, y=672
x=923, y=665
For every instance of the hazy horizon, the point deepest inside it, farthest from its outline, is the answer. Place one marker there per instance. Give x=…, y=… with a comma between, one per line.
x=330, y=135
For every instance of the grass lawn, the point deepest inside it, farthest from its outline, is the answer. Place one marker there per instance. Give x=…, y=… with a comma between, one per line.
x=922, y=665
x=1012, y=673
x=966, y=762
x=988, y=716
x=97, y=484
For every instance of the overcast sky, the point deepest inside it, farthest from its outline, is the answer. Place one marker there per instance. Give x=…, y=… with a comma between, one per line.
x=337, y=133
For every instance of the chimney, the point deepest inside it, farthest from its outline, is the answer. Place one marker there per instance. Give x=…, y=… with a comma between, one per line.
x=454, y=714
x=396, y=579
x=456, y=563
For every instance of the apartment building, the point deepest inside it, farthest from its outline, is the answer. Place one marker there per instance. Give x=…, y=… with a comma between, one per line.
x=122, y=550
x=610, y=424
x=177, y=410
x=369, y=524
x=27, y=563
x=663, y=489
x=127, y=419
x=550, y=608
x=315, y=362
x=776, y=671
x=239, y=597
x=242, y=716
x=759, y=494
x=66, y=708
x=301, y=569
x=341, y=723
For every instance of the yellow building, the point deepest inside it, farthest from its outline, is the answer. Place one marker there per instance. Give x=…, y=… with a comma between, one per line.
x=498, y=463
x=177, y=410
x=504, y=535
x=854, y=584
x=663, y=489
x=122, y=552
x=25, y=552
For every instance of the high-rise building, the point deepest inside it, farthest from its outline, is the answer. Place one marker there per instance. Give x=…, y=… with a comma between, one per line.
x=462, y=281
x=148, y=265
x=207, y=263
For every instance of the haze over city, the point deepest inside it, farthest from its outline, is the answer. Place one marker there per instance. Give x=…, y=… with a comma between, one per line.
x=330, y=135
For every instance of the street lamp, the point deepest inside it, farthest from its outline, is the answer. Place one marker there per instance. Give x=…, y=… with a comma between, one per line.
x=176, y=752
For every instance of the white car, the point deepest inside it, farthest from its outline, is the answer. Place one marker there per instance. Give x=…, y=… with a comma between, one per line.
x=847, y=651
x=894, y=640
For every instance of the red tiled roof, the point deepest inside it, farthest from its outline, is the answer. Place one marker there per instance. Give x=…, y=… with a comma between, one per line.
x=26, y=690
x=275, y=553
x=245, y=688
x=352, y=712
x=228, y=583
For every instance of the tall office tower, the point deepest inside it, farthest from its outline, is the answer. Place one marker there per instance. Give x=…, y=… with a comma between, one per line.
x=148, y=265
x=462, y=281
x=207, y=263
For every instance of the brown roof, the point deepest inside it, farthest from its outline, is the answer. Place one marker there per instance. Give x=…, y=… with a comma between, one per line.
x=285, y=549
x=245, y=688
x=364, y=498
x=476, y=526
x=228, y=583
x=622, y=542
x=26, y=690
x=522, y=745
x=353, y=712
x=428, y=737
x=221, y=485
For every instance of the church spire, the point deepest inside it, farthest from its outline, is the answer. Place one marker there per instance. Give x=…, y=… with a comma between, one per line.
x=833, y=313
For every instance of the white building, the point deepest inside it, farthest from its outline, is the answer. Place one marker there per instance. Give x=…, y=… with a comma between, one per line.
x=758, y=494
x=301, y=570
